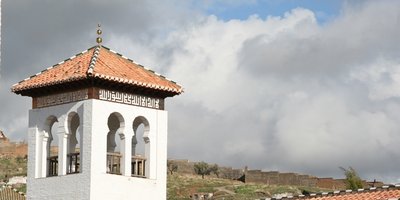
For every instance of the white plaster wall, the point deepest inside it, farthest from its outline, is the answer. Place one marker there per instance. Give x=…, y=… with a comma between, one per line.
x=74, y=186
x=162, y=121
x=109, y=186
x=68, y=187
x=93, y=182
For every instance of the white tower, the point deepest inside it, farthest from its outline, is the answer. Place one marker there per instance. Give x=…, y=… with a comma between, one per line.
x=97, y=129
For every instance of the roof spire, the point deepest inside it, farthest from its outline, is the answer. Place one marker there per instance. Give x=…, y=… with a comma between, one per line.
x=99, y=40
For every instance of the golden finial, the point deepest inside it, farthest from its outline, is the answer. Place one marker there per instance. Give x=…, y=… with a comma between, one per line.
x=99, y=39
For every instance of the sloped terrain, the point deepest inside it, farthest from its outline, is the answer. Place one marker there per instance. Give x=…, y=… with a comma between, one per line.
x=12, y=166
x=181, y=187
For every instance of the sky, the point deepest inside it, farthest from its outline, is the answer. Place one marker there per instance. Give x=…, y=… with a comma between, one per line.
x=300, y=86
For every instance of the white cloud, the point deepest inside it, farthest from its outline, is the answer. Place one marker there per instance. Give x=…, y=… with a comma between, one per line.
x=287, y=93
x=382, y=78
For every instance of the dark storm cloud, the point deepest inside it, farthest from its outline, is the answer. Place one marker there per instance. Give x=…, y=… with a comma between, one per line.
x=44, y=32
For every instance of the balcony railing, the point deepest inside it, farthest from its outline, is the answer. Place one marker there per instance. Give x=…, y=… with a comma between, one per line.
x=53, y=165
x=73, y=160
x=138, y=166
x=114, y=163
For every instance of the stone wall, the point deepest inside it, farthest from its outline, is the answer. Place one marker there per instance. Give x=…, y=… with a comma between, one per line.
x=230, y=173
x=13, y=149
x=277, y=178
x=272, y=177
x=330, y=183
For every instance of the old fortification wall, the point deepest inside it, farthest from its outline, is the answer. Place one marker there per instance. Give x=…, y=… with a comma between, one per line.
x=277, y=178
x=8, y=148
x=272, y=177
x=330, y=183
x=14, y=149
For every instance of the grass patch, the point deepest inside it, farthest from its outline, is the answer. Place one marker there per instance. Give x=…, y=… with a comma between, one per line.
x=12, y=166
x=246, y=189
x=180, y=187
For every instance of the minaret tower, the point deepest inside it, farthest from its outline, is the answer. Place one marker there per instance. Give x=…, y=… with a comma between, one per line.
x=97, y=128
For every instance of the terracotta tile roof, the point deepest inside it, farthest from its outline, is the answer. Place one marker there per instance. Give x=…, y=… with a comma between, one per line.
x=382, y=193
x=101, y=63
x=8, y=193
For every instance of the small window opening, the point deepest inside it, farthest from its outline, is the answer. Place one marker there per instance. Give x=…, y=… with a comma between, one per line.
x=52, y=149
x=140, y=148
x=74, y=145
x=114, y=156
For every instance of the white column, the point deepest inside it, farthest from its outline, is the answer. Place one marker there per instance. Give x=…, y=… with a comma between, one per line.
x=150, y=154
x=44, y=153
x=85, y=129
x=80, y=129
x=152, y=148
x=126, y=146
x=95, y=129
x=62, y=154
x=34, y=153
x=162, y=135
x=62, y=147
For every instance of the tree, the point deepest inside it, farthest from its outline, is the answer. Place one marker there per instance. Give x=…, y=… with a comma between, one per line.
x=172, y=166
x=353, y=181
x=215, y=169
x=202, y=168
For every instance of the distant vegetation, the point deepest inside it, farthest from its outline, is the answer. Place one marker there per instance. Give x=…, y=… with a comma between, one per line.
x=353, y=181
x=172, y=167
x=202, y=168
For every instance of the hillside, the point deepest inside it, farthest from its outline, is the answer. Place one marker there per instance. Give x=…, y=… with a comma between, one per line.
x=181, y=187
x=12, y=166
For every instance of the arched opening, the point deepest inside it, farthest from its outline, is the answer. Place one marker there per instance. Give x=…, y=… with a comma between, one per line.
x=50, y=144
x=140, y=147
x=114, y=141
x=74, y=144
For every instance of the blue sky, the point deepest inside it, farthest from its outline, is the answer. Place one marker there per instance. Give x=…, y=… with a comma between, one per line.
x=324, y=10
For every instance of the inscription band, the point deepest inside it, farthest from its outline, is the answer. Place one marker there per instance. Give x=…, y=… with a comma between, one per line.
x=131, y=99
x=62, y=98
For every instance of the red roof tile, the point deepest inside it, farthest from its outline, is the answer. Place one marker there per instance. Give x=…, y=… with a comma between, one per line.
x=101, y=63
x=382, y=193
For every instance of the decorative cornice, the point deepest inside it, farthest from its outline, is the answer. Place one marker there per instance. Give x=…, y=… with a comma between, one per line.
x=93, y=61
